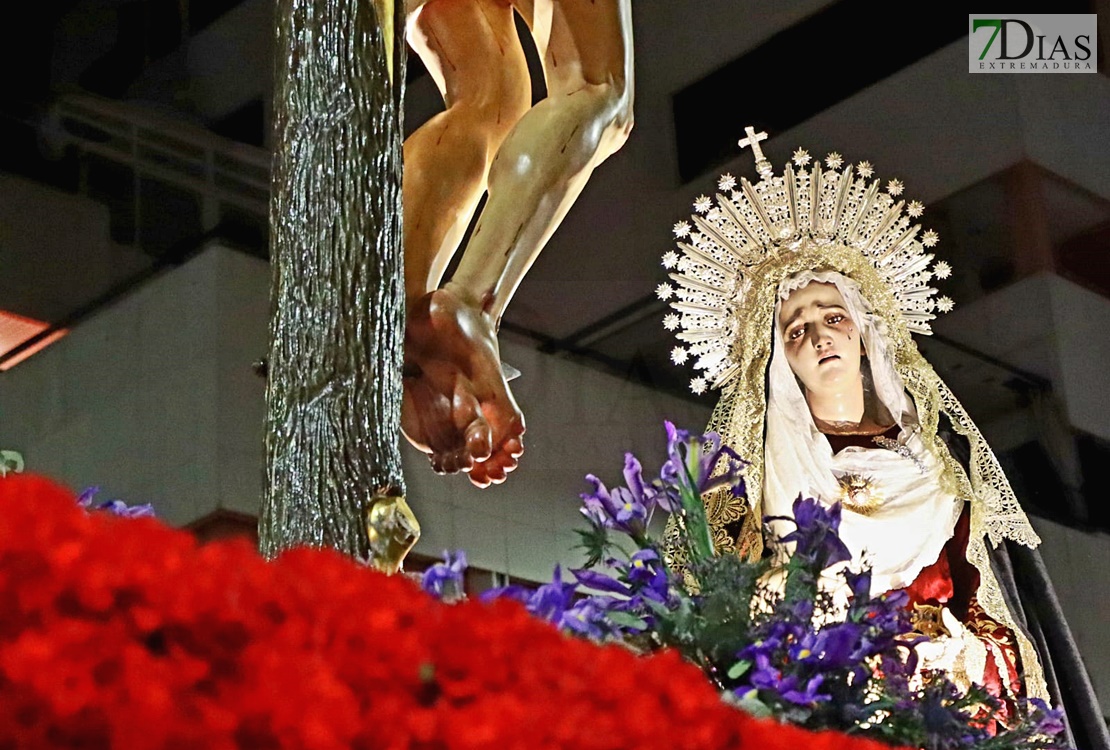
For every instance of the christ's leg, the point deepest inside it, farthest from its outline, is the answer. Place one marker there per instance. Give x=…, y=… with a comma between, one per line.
x=471, y=49
x=551, y=153
x=458, y=407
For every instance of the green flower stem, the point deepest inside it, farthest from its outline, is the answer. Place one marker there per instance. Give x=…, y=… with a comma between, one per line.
x=697, y=527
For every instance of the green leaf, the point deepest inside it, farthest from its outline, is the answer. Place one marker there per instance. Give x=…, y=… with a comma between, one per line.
x=695, y=525
x=595, y=542
x=626, y=620
x=795, y=714
x=738, y=669
x=754, y=706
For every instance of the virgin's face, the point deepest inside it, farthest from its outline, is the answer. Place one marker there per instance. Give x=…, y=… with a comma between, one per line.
x=822, y=343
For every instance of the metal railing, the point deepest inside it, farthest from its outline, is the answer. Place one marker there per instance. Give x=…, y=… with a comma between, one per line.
x=188, y=157
x=217, y=172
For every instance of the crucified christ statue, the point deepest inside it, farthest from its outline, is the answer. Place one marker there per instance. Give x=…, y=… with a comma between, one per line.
x=533, y=162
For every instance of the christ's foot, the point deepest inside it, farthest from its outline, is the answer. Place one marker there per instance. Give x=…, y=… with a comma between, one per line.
x=457, y=406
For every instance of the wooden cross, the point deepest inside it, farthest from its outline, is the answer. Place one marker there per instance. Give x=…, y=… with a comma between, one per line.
x=761, y=164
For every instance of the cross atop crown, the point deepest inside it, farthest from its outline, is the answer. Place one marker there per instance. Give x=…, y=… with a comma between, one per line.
x=761, y=164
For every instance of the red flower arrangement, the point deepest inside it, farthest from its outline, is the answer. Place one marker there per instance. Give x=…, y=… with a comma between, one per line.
x=124, y=633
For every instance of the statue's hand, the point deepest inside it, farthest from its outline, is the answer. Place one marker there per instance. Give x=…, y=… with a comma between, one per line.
x=457, y=407
x=959, y=653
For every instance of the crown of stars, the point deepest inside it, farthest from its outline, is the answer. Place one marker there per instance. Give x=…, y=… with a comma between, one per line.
x=719, y=249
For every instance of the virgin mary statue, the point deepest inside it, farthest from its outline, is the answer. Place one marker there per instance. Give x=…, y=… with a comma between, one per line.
x=796, y=296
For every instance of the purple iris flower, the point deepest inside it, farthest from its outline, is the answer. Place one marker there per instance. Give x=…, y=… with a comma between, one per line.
x=445, y=580
x=515, y=592
x=806, y=650
x=648, y=574
x=627, y=509
x=896, y=599
x=586, y=618
x=648, y=495
x=765, y=675
x=641, y=568
x=1050, y=722
x=860, y=586
x=815, y=537
x=631, y=513
x=809, y=695
x=601, y=582
x=759, y=652
x=115, y=507
x=835, y=644
x=644, y=572
x=85, y=499
x=551, y=600
x=122, y=509
x=617, y=509
x=691, y=462
x=937, y=718
x=802, y=610
x=599, y=506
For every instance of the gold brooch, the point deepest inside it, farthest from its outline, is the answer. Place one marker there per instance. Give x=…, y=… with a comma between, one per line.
x=927, y=620
x=858, y=494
